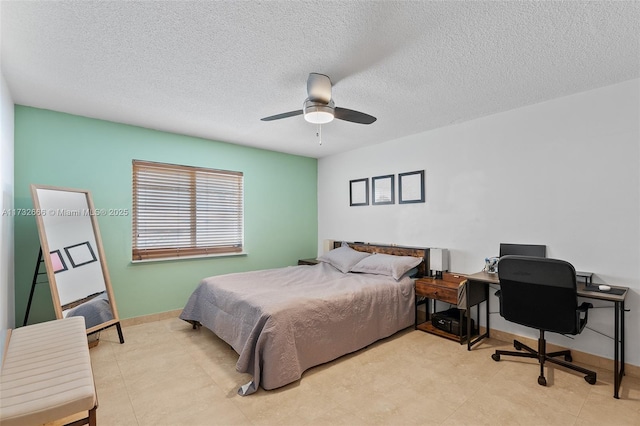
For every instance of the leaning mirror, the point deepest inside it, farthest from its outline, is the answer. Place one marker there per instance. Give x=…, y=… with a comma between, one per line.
x=71, y=249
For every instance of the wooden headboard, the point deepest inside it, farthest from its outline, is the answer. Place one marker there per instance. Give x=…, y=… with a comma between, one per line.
x=423, y=268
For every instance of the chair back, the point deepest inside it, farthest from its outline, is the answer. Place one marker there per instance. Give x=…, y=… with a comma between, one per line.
x=539, y=293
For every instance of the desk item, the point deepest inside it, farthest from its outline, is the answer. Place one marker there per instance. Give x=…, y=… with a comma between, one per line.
x=486, y=279
x=491, y=265
x=587, y=277
x=601, y=288
x=527, y=284
x=533, y=250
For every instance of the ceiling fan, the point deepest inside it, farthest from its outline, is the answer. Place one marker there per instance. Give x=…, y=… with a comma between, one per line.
x=319, y=108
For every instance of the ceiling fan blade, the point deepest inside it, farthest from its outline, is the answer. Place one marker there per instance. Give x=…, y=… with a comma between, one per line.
x=319, y=88
x=283, y=115
x=353, y=116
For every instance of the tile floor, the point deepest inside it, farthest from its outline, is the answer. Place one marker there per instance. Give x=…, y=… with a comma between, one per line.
x=168, y=374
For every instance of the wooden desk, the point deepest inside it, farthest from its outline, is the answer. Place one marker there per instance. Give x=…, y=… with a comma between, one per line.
x=484, y=279
x=618, y=301
x=618, y=336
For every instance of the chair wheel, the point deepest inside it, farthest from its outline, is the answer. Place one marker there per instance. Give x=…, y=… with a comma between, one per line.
x=542, y=381
x=568, y=358
x=495, y=357
x=590, y=379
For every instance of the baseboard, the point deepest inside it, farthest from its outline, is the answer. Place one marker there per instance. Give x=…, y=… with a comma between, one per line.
x=150, y=318
x=579, y=357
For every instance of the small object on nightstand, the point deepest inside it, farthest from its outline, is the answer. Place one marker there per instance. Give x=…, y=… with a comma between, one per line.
x=308, y=261
x=438, y=261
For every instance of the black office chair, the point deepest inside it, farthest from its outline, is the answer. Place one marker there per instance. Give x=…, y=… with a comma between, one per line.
x=541, y=293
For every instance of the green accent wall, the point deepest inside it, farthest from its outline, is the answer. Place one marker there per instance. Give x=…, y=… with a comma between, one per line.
x=52, y=148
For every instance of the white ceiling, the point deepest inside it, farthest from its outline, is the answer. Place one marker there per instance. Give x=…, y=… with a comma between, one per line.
x=213, y=69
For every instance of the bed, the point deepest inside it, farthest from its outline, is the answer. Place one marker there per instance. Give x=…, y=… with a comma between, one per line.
x=96, y=310
x=284, y=321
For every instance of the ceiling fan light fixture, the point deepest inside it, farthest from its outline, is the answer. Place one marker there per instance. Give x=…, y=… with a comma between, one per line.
x=319, y=117
x=319, y=108
x=317, y=113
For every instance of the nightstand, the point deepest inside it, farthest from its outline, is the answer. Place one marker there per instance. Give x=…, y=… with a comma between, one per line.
x=308, y=261
x=452, y=289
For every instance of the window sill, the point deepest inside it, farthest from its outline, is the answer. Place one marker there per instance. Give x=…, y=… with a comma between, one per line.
x=201, y=256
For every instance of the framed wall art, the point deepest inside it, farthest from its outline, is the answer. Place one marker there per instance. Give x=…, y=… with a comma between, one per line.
x=411, y=187
x=80, y=254
x=359, y=192
x=383, y=190
x=57, y=262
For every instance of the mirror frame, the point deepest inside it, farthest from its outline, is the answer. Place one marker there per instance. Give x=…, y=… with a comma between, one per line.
x=44, y=244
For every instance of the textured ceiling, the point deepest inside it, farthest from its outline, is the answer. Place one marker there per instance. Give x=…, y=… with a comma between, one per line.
x=213, y=69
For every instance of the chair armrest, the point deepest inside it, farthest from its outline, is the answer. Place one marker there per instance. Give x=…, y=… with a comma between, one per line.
x=585, y=307
x=582, y=315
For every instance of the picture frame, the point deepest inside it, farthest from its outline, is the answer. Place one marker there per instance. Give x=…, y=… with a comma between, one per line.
x=411, y=187
x=383, y=190
x=80, y=254
x=359, y=192
x=57, y=262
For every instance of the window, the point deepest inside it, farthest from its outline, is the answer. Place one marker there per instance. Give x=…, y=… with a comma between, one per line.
x=185, y=211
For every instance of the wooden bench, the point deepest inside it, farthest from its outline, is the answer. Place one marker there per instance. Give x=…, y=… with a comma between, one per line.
x=46, y=374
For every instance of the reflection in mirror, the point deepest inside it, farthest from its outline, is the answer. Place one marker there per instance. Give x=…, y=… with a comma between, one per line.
x=76, y=265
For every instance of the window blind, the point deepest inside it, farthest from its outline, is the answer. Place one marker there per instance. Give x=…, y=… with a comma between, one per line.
x=185, y=211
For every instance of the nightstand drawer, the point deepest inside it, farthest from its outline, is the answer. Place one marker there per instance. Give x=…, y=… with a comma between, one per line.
x=427, y=288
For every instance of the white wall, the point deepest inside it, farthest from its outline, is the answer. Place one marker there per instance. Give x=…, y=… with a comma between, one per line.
x=564, y=173
x=7, y=311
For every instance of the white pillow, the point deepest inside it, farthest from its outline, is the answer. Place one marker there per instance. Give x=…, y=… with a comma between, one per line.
x=343, y=258
x=386, y=264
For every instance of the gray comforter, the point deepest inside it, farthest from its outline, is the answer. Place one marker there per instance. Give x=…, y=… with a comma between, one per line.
x=284, y=321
